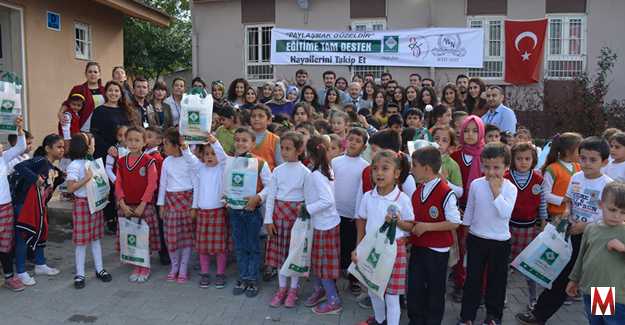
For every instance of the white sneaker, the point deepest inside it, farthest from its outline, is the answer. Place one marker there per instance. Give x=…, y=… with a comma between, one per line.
x=26, y=279
x=46, y=270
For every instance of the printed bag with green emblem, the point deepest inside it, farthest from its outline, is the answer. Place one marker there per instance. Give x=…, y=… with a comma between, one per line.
x=297, y=262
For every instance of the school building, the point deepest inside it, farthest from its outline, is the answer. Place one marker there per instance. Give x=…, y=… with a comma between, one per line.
x=231, y=38
x=47, y=43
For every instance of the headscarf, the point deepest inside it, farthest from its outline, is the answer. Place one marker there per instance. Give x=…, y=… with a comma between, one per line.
x=474, y=150
x=294, y=90
x=261, y=96
x=279, y=101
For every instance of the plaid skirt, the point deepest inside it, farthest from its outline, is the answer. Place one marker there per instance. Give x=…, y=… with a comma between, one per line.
x=520, y=238
x=284, y=216
x=87, y=227
x=7, y=227
x=212, y=231
x=177, y=221
x=326, y=253
x=397, y=282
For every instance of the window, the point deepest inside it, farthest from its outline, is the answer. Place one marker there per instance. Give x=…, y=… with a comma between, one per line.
x=566, y=47
x=493, y=47
x=258, y=52
x=362, y=26
x=82, y=43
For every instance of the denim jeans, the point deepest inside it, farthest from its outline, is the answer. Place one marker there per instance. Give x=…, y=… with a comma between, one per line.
x=20, y=254
x=617, y=319
x=245, y=226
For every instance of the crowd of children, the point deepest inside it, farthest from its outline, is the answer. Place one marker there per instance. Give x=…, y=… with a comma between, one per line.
x=470, y=200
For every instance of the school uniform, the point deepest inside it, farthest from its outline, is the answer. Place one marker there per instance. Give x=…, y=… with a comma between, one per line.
x=87, y=226
x=268, y=148
x=7, y=220
x=555, y=183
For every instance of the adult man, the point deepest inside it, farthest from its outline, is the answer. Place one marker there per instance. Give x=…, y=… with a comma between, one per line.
x=329, y=79
x=390, y=89
x=427, y=82
x=385, y=77
x=415, y=80
x=462, y=83
x=140, y=92
x=301, y=78
x=498, y=114
x=355, y=97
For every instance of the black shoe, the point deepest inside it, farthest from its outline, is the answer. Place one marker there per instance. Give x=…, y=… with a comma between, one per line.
x=164, y=258
x=528, y=319
x=220, y=281
x=79, y=282
x=205, y=280
x=269, y=274
x=104, y=276
x=239, y=288
x=252, y=290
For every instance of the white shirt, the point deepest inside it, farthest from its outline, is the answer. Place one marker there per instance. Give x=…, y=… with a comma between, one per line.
x=450, y=205
x=287, y=184
x=175, y=109
x=374, y=208
x=176, y=176
x=75, y=173
x=585, y=195
x=319, y=199
x=109, y=164
x=7, y=156
x=488, y=217
x=615, y=171
x=208, y=190
x=348, y=171
x=548, y=182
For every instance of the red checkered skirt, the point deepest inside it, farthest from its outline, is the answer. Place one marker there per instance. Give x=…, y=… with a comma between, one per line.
x=326, y=253
x=397, y=283
x=520, y=238
x=7, y=227
x=211, y=232
x=284, y=216
x=177, y=221
x=88, y=227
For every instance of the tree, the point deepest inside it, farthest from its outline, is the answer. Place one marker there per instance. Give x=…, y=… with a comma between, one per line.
x=150, y=50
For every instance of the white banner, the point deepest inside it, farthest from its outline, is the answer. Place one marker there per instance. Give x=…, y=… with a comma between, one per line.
x=422, y=47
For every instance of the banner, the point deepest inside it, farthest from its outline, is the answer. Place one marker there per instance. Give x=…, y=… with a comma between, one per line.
x=422, y=47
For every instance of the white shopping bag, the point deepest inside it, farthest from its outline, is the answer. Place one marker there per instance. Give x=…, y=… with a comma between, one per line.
x=134, y=242
x=297, y=262
x=98, y=186
x=545, y=257
x=418, y=144
x=196, y=117
x=240, y=180
x=376, y=258
x=10, y=106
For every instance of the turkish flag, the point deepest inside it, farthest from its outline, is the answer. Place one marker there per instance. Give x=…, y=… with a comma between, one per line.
x=524, y=50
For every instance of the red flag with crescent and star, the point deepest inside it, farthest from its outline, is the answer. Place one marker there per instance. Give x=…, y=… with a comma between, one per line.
x=524, y=50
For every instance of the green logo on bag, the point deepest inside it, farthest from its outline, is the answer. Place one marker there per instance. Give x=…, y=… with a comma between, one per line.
x=549, y=256
x=132, y=240
x=99, y=182
x=373, y=258
x=237, y=179
x=194, y=118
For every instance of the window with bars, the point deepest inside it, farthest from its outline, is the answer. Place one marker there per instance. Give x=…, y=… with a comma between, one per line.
x=566, y=47
x=258, y=52
x=82, y=42
x=493, y=47
x=362, y=26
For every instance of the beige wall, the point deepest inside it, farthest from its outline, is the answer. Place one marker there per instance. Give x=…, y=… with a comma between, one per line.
x=51, y=68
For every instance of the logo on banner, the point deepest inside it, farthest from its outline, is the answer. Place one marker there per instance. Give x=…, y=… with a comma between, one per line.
x=449, y=44
x=391, y=43
x=418, y=45
x=604, y=299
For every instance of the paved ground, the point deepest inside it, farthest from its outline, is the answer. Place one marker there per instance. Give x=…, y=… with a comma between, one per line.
x=54, y=300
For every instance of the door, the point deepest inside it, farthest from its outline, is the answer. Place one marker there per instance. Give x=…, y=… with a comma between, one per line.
x=5, y=41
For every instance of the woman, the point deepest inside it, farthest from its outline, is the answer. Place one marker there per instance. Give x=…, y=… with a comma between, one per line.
x=266, y=92
x=399, y=96
x=236, y=92
x=279, y=105
x=309, y=95
x=367, y=94
x=411, y=98
x=451, y=98
x=92, y=91
x=250, y=99
x=379, y=107
x=161, y=112
x=332, y=100
x=177, y=90
x=341, y=84
x=198, y=82
x=427, y=96
x=475, y=102
x=119, y=75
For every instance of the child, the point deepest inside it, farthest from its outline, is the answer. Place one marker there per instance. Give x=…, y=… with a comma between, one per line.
x=153, y=143
x=492, y=133
x=348, y=170
x=116, y=152
x=601, y=259
x=12, y=138
x=488, y=211
x=373, y=211
x=225, y=132
x=437, y=216
x=137, y=175
x=395, y=123
x=457, y=118
x=7, y=230
x=267, y=144
x=441, y=116
x=285, y=196
x=88, y=228
x=530, y=207
x=445, y=137
x=39, y=178
x=243, y=204
x=414, y=119
x=175, y=198
x=561, y=164
x=211, y=232
x=70, y=123
x=340, y=122
x=471, y=137
x=616, y=166
x=336, y=146
x=392, y=109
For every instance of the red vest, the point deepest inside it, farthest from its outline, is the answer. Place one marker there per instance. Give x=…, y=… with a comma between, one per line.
x=367, y=181
x=134, y=178
x=432, y=210
x=527, y=199
x=464, y=172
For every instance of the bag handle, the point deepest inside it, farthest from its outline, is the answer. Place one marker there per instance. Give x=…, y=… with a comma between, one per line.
x=391, y=229
x=564, y=227
x=303, y=213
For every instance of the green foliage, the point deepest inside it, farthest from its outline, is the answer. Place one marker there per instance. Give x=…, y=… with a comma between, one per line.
x=150, y=50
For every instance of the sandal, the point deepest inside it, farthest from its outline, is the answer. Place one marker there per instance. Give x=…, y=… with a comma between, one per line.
x=104, y=276
x=79, y=282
